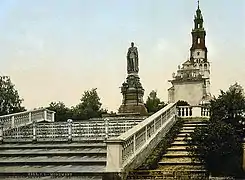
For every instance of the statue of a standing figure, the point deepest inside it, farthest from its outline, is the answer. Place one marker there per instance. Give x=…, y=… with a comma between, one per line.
x=132, y=59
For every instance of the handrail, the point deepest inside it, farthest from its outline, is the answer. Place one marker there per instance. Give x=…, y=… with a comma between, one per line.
x=123, y=151
x=144, y=123
x=36, y=110
x=15, y=120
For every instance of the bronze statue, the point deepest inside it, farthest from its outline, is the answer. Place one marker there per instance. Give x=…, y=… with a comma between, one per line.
x=132, y=59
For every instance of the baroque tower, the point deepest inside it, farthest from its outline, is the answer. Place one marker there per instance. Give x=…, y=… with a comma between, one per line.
x=192, y=81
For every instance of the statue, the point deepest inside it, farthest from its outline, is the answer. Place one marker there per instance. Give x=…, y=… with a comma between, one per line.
x=132, y=59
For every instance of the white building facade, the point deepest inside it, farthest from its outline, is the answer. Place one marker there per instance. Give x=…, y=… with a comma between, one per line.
x=192, y=81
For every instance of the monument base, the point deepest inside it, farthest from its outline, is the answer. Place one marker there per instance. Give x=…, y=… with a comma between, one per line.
x=132, y=110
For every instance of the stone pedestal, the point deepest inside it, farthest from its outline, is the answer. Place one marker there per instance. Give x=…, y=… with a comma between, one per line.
x=133, y=92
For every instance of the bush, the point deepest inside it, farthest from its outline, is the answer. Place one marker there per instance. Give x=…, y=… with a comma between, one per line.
x=218, y=146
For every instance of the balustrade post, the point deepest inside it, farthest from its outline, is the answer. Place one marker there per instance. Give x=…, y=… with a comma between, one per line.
x=45, y=115
x=12, y=122
x=106, y=128
x=134, y=144
x=69, y=121
x=29, y=117
x=53, y=113
x=1, y=132
x=34, y=131
x=146, y=134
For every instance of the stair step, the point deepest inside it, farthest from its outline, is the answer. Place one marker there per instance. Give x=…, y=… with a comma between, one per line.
x=179, y=143
x=186, y=131
x=177, y=161
x=177, y=148
x=50, y=146
x=183, y=134
x=182, y=138
x=193, y=125
x=54, y=153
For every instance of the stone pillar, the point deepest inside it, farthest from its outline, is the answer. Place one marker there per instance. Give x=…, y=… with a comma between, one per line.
x=106, y=128
x=69, y=121
x=34, y=131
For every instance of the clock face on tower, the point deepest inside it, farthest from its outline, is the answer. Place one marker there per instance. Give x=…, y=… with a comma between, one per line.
x=198, y=54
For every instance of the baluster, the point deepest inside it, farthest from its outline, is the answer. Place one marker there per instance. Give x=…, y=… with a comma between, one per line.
x=186, y=111
x=69, y=125
x=12, y=122
x=34, y=130
x=1, y=132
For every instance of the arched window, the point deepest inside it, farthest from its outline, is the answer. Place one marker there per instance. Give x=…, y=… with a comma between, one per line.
x=205, y=66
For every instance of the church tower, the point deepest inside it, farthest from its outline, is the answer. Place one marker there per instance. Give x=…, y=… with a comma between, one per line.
x=192, y=81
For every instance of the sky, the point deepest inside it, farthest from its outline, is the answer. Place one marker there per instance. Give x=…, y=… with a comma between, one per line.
x=55, y=50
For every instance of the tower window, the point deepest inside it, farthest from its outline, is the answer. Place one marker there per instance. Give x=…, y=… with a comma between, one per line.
x=198, y=53
x=198, y=26
x=198, y=40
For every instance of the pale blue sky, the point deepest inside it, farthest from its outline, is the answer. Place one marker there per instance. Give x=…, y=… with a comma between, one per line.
x=55, y=49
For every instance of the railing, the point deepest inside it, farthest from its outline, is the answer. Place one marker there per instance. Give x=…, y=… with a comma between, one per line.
x=131, y=147
x=193, y=111
x=16, y=120
x=69, y=131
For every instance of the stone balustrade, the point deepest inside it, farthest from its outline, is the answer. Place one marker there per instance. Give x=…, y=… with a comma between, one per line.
x=129, y=149
x=193, y=111
x=15, y=120
x=68, y=131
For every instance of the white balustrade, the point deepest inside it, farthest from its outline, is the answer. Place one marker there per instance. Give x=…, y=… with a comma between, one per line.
x=193, y=111
x=15, y=120
x=123, y=150
x=68, y=131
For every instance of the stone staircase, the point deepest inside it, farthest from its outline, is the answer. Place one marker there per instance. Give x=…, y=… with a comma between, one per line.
x=83, y=160
x=176, y=163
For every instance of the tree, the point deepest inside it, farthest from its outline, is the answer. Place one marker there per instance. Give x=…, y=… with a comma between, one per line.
x=182, y=103
x=153, y=103
x=218, y=147
x=219, y=144
x=90, y=106
x=229, y=106
x=10, y=101
x=62, y=112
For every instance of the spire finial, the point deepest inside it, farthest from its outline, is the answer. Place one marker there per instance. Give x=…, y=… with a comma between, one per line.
x=198, y=3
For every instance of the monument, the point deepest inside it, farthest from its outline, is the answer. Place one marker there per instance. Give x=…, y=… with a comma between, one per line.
x=132, y=90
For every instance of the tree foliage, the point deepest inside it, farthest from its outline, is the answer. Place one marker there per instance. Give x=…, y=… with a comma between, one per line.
x=182, y=103
x=10, y=101
x=62, y=112
x=90, y=106
x=218, y=145
x=153, y=103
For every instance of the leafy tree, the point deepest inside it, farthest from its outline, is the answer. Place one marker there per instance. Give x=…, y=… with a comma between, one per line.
x=229, y=106
x=182, y=103
x=218, y=147
x=153, y=103
x=219, y=144
x=62, y=112
x=90, y=106
x=10, y=101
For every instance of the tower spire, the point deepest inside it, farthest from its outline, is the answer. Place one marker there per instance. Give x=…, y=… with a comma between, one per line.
x=198, y=4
